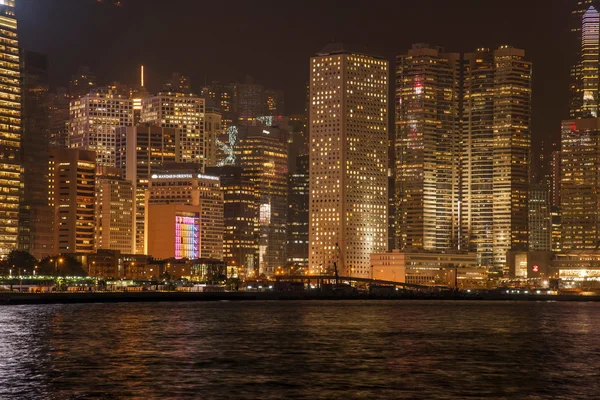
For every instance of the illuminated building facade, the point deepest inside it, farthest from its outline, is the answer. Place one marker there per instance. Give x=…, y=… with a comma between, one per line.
x=555, y=217
x=298, y=200
x=94, y=119
x=185, y=113
x=222, y=97
x=590, y=63
x=58, y=114
x=72, y=195
x=240, y=220
x=10, y=129
x=421, y=267
x=115, y=214
x=540, y=219
x=35, y=216
x=174, y=231
x=185, y=187
x=580, y=187
x=262, y=153
x=298, y=140
x=584, y=72
x=427, y=148
x=143, y=150
x=178, y=84
x=274, y=102
x=212, y=129
x=496, y=153
x=249, y=100
x=348, y=126
x=82, y=83
x=137, y=95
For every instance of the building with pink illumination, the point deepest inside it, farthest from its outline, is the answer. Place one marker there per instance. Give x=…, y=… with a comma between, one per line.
x=180, y=205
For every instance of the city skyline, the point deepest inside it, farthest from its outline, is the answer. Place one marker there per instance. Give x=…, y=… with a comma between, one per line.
x=540, y=29
x=460, y=170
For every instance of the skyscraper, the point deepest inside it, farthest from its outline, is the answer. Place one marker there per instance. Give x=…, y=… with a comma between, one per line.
x=212, y=130
x=187, y=187
x=348, y=125
x=249, y=100
x=82, y=83
x=72, y=189
x=590, y=63
x=428, y=84
x=185, y=114
x=58, y=114
x=94, y=120
x=496, y=147
x=262, y=153
x=584, y=58
x=240, y=220
x=274, y=102
x=35, y=219
x=10, y=129
x=178, y=84
x=297, y=227
x=580, y=187
x=540, y=221
x=143, y=150
x=115, y=212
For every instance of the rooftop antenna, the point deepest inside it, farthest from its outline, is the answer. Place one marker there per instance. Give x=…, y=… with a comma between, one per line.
x=142, y=76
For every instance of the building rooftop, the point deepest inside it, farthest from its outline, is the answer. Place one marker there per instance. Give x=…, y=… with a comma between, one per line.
x=341, y=48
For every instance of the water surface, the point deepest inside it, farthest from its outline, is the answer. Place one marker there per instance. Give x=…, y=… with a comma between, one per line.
x=301, y=349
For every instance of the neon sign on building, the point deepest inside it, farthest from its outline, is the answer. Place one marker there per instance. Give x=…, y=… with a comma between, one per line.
x=187, y=235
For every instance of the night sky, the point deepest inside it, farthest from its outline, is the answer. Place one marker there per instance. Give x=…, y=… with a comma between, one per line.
x=273, y=40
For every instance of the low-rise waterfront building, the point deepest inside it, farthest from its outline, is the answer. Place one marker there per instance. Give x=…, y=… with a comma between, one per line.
x=428, y=268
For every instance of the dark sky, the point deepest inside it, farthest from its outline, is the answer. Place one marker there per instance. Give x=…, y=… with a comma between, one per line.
x=273, y=40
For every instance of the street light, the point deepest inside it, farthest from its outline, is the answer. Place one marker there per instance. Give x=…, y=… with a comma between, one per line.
x=56, y=262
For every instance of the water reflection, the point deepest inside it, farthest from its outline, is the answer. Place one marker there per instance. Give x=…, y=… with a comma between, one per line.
x=433, y=350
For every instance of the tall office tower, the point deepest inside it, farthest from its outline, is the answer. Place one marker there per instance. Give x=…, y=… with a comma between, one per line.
x=212, y=129
x=540, y=221
x=82, y=83
x=10, y=129
x=348, y=125
x=590, y=63
x=392, y=212
x=137, y=94
x=178, y=84
x=222, y=97
x=120, y=89
x=274, y=102
x=262, y=153
x=249, y=100
x=555, y=178
x=115, y=212
x=240, y=220
x=555, y=218
x=72, y=187
x=185, y=114
x=427, y=148
x=496, y=147
x=35, y=217
x=58, y=115
x=585, y=50
x=94, y=120
x=580, y=187
x=143, y=150
x=187, y=187
x=298, y=140
x=297, y=230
